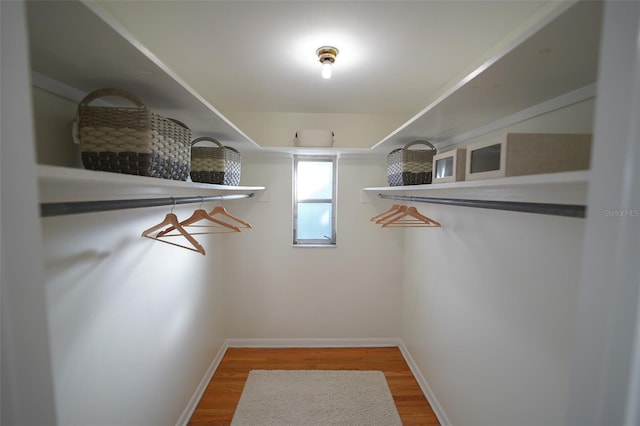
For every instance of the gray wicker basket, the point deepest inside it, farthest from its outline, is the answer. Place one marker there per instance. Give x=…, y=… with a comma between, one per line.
x=410, y=166
x=132, y=140
x=219, y=165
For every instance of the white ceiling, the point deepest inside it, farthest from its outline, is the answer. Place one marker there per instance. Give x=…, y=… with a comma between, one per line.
x=255, y=60
x=260, y=56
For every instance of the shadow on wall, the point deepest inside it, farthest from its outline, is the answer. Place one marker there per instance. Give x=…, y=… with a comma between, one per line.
x=80, y=264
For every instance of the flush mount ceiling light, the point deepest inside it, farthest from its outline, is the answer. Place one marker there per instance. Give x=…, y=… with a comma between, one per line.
x=327, y=56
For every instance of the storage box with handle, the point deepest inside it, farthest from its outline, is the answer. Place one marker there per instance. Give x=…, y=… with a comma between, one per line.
x=219, y=164
x=410, y=166
x=131, y=140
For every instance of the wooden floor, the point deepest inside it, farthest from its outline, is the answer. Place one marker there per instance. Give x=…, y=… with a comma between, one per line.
x=223, y=392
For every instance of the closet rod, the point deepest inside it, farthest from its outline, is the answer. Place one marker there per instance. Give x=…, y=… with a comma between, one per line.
x=569, y=210
x=74, y=207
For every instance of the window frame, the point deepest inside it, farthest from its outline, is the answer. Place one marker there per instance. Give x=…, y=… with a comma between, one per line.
x=326, y=242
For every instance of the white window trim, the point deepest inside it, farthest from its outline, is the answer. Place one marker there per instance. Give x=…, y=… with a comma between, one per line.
x=316, y=243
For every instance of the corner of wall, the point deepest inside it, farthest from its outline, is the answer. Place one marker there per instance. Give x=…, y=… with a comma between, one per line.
x=424, y=386
x=184, y=418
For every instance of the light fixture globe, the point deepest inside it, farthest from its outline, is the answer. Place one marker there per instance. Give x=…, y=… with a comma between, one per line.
x=327, y=56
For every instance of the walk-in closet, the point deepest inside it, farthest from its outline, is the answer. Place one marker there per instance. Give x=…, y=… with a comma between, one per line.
x=445, y=191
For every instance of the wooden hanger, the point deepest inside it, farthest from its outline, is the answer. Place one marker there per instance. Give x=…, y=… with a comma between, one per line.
x=198, y=216
x=416, y=219
x=389, y=214
x=392, y=209
x=221, y=210
x=172, y=220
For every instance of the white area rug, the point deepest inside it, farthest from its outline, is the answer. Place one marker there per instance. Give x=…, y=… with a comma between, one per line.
x=316, y=397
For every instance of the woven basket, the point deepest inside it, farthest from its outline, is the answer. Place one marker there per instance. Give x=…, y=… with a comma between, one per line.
x=132, y=140
x=410, y=166
x=220, y=164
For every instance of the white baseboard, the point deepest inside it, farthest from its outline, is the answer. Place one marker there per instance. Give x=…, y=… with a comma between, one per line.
x=184, y=418
x=426, y=390
x=313, y=343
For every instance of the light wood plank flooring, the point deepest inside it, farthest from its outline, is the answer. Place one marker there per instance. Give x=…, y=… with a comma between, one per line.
x=223, y=392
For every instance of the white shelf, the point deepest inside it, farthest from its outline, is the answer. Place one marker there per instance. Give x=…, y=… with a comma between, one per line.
x=81, y=47
x=558, y=188
x=63, y=184
x=558, y=58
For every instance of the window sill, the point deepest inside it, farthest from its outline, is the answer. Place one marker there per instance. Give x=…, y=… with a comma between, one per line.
x=314, y=245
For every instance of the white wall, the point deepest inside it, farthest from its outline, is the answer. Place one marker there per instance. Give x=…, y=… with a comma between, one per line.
x=52, y=121
x=489, y=304
x=606, y=371
x=26, y=381
x=489, y=308
x=280, y=291
x=278, y=129
x=134, y=323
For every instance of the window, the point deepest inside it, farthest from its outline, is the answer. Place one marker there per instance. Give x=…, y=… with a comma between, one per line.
x=314, y=201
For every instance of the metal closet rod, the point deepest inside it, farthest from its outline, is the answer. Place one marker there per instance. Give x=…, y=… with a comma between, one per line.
x=75, y=207
x=569, y=210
